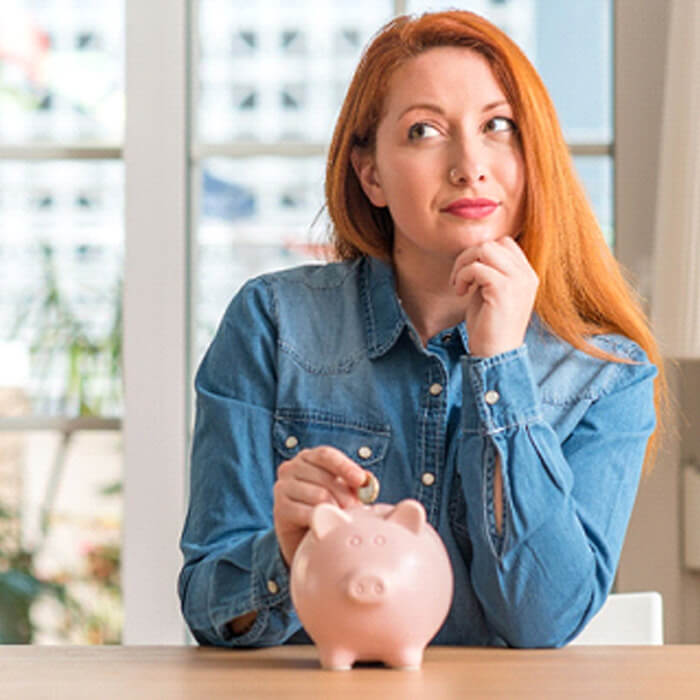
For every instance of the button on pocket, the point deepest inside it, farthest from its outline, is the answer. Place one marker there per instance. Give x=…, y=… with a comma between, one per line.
x=295, y=430
x=364, y=452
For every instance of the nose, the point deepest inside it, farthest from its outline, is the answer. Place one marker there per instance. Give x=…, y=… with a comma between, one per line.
x=460, y=179
x=467, y=165
x=367, y=589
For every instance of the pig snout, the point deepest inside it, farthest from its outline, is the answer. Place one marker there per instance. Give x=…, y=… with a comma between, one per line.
x=366, y=588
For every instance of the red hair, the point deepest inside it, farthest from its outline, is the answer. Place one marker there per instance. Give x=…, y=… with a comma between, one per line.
x=582, y=290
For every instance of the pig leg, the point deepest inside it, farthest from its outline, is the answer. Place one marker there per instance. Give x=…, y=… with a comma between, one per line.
x=337, y=658
x=410, y=658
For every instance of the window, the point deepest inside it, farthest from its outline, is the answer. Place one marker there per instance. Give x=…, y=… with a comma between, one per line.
x=571, y=46
x=231, y=106
x=259, y=155
x=61, y=269
x=261, y=180
x=167, y=242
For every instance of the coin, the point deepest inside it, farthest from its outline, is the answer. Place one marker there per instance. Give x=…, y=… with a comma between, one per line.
x=368, y=492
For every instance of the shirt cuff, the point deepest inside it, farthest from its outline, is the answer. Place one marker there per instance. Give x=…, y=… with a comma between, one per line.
x=499, y=392
x=269, y=590
x=271, y=575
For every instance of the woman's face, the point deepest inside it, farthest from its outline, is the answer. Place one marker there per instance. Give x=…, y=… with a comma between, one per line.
x=446, y=137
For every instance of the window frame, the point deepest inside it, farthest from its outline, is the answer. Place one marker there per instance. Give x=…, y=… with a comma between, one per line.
x=162, y=163
x=156, y=315
x=138, y=626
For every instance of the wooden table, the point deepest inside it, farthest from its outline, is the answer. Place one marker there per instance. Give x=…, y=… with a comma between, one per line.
x=131, y=673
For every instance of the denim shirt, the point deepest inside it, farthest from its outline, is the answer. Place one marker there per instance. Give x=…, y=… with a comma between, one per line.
x=325, y=355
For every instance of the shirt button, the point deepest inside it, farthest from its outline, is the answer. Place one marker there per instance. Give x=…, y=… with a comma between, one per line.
x=447, y=337
x=428, y=479
x=291, y=441
x=491, y=397
x=272, y=587
x=365, y=452
x=435, y=389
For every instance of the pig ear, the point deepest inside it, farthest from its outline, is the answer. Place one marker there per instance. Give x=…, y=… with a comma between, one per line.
x=325, y=518
x=410, y=514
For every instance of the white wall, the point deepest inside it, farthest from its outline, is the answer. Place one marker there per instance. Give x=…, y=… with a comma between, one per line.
x=651, y=558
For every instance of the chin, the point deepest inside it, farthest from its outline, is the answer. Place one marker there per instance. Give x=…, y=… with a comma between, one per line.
x=473, y=240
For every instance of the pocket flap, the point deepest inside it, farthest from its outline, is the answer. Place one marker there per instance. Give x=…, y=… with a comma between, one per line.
x=365, y=445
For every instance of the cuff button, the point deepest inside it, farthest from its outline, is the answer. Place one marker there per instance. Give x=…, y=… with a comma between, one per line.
x=272, y=587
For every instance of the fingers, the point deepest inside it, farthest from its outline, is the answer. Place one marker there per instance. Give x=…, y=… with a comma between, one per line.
x=319, y=475
x=307, y=492
x=504, y=254
x=336, y=463
x=477, y=275
x=291, y=517
x=311, y=484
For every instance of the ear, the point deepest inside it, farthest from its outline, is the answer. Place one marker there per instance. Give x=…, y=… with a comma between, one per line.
x=325, y=518
x=410, y=514
x=364, y=166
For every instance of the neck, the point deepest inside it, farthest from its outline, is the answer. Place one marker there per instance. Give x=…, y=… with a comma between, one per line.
x=427, y=296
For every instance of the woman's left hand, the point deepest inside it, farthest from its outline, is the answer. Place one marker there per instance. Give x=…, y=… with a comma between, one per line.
x=499, y=288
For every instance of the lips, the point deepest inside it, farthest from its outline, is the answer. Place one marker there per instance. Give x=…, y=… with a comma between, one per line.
x=471, y=208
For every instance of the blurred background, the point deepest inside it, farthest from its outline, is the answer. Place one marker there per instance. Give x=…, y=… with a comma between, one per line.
x=258, y=87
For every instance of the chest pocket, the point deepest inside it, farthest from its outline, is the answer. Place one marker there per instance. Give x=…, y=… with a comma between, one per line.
x=366, y=445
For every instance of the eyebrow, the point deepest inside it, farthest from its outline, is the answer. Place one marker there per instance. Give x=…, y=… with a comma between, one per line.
x=440, y=110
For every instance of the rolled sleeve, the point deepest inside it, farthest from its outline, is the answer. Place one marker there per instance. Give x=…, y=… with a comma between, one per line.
x=232, y=561
x=269, y=597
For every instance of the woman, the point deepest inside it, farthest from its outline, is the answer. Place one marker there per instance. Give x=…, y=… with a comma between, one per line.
x=476, y=348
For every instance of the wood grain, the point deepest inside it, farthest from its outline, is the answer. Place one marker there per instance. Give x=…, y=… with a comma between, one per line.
x=290, y=672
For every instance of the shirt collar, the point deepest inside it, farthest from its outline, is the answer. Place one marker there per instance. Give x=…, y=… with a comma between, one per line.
x=384, y=318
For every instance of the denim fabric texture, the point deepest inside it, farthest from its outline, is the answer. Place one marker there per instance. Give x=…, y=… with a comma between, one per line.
x=326, y=355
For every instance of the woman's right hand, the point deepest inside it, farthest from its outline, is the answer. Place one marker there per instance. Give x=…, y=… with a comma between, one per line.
x=316, y=475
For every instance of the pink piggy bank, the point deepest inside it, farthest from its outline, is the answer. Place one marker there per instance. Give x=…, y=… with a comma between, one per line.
x=371, y=583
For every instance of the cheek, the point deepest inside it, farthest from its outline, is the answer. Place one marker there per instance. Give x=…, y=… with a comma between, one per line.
x=513, y=177
x=408, y=186
x=407, y=180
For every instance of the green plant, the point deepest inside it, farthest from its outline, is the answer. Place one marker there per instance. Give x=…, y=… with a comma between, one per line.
x=21, y=586
x=57, y=334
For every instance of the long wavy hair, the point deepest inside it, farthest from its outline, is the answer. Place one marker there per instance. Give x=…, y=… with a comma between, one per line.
x=582, y=289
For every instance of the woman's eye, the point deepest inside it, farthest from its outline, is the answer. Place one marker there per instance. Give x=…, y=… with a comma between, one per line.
x=500, y=124
x=421, y=130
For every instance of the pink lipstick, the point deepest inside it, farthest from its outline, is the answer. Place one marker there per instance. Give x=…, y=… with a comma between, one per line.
x=471, y=208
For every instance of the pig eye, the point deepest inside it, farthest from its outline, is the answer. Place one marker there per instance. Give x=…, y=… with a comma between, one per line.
x=355, y=540
x=380, y=540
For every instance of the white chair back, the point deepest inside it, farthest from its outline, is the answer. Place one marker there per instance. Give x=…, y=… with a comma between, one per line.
x=626, y=618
